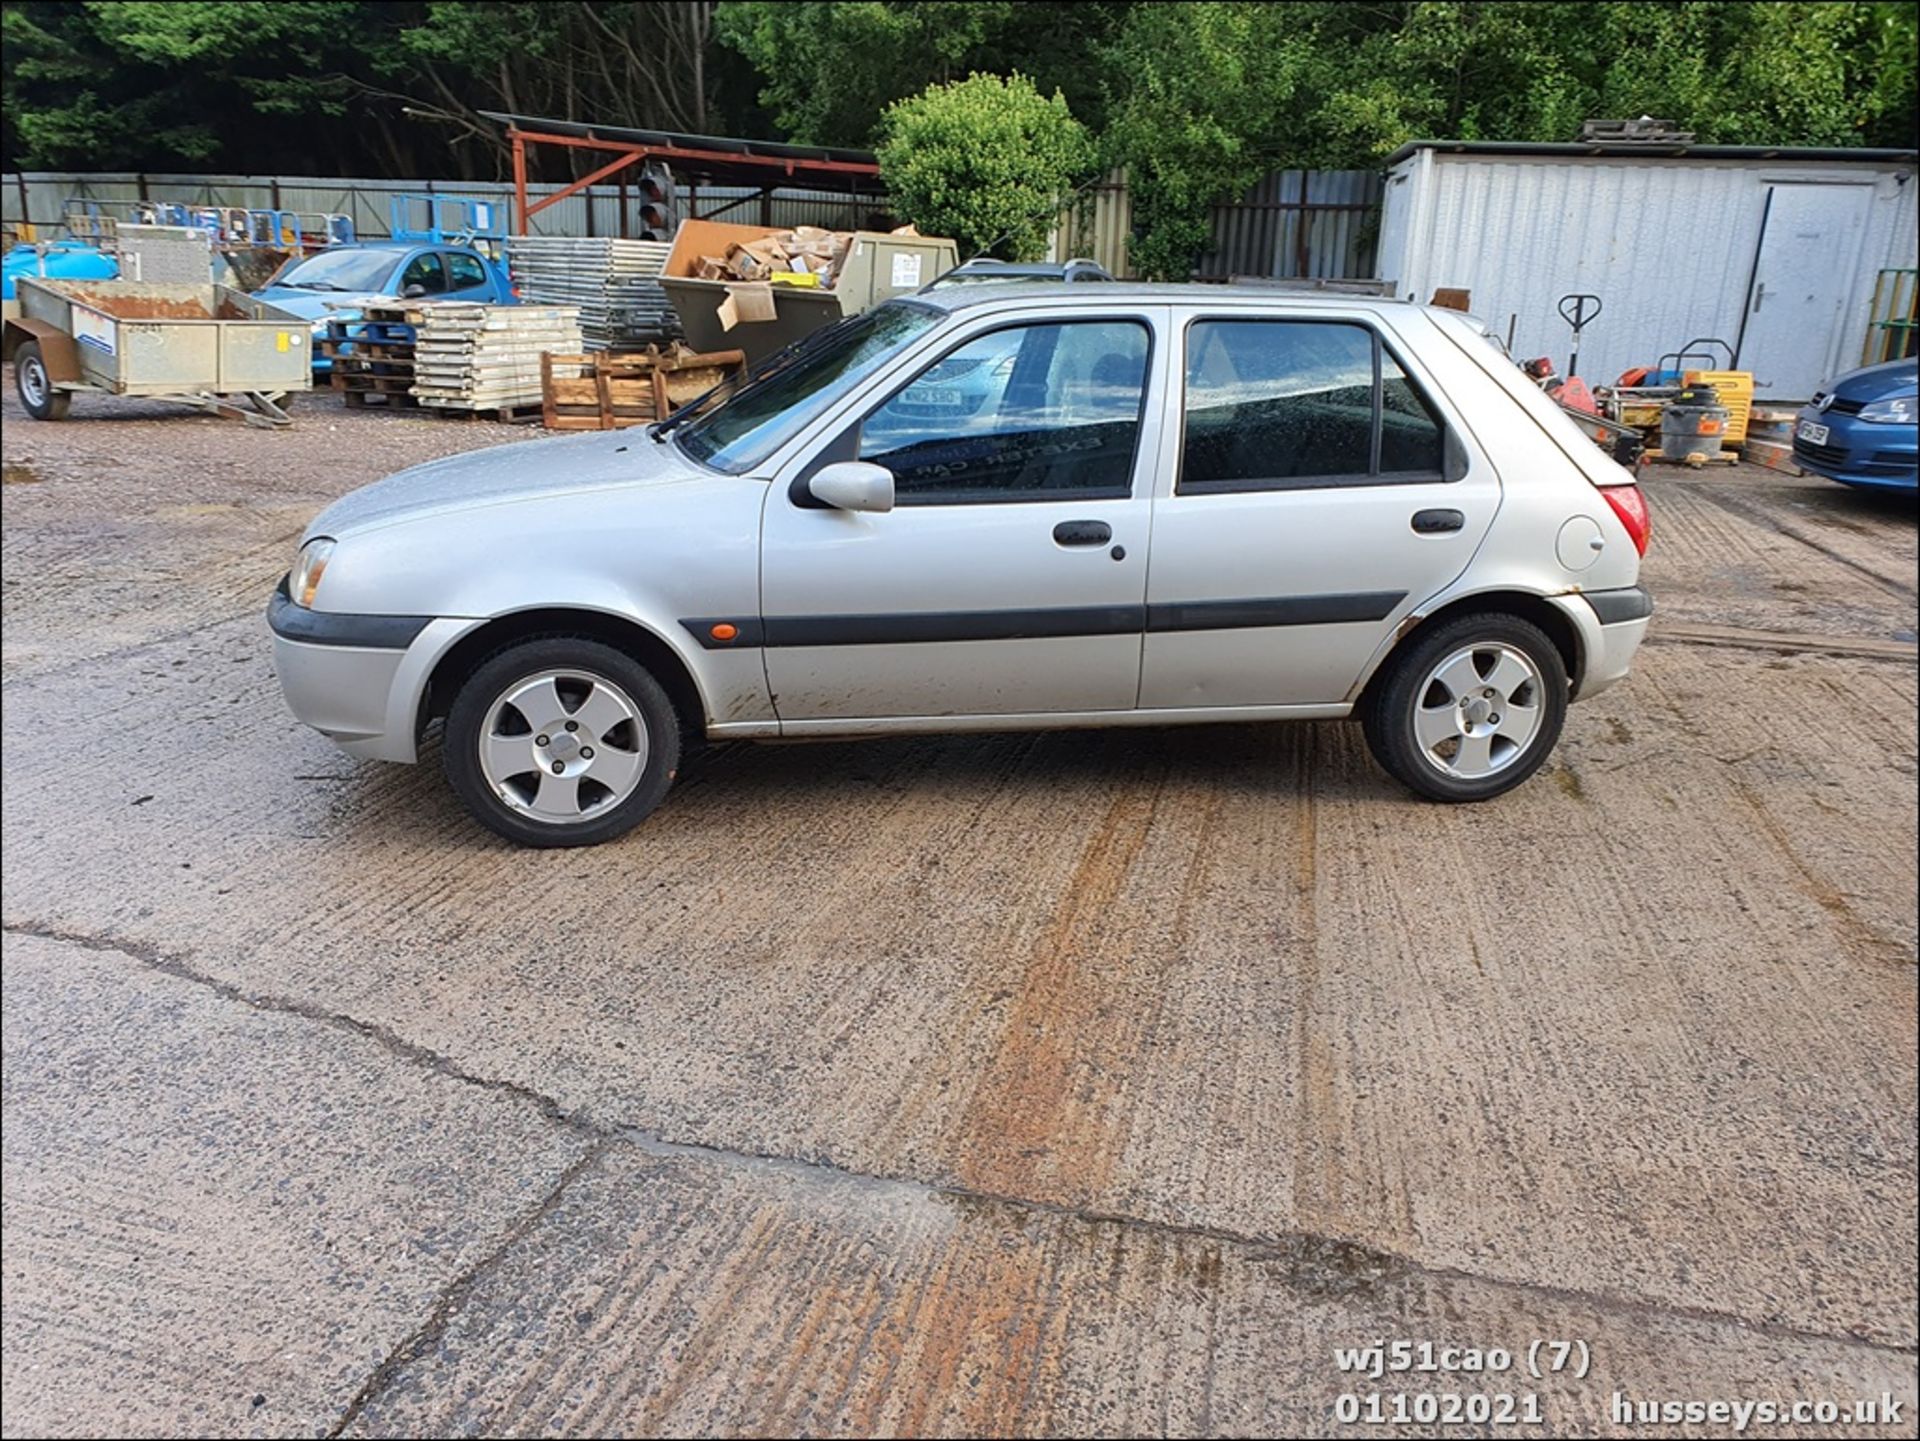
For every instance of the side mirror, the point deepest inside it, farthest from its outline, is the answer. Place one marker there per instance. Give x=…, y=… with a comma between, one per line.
x=853, y=485
x=413, y=292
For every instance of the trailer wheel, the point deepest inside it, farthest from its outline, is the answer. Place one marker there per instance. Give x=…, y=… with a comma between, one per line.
x=37, y=394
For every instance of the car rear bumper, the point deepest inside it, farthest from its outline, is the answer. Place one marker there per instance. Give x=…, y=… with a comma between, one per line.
x=358, y=679
x=1612, y=623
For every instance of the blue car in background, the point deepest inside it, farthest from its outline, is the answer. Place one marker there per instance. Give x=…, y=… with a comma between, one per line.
x=1865, y=428
x=336, y=282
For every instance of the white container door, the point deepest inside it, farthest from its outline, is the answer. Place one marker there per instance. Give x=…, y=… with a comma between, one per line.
x=1803, y=281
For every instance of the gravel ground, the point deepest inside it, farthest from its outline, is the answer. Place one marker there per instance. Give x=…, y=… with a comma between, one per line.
x=1064, y=1084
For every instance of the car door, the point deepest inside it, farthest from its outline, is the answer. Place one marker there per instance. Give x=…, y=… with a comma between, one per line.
x=1010, y=576
x=424, y=274
x=467, y=277
x=1320, y=491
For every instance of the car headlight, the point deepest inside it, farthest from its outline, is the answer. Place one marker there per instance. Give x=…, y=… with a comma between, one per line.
x=1899, y=410
x=308, y=567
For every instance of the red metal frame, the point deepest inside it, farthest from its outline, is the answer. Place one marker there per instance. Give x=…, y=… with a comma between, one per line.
x=631, y=154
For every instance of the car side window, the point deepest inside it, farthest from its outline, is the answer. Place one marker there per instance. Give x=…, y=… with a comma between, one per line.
x=466, y=272
x=1024, y=413
x=1293, y=404
x=425, y=271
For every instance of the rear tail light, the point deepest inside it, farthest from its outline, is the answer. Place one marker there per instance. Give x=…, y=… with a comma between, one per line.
x=1631, y=506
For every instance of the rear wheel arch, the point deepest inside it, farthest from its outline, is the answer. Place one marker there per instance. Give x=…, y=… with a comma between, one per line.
x=1538, y=610
x=646, y=646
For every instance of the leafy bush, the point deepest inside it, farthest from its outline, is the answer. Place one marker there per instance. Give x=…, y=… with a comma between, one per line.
x=985, y=160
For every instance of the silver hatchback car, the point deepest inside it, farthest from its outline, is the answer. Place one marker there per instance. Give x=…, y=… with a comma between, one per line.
x=992, y=507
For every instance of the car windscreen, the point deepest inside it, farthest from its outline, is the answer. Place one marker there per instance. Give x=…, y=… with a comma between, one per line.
x=342, y=270
x=789, y=388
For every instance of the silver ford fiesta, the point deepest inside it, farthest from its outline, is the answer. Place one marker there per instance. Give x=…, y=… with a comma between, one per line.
x=992, y=507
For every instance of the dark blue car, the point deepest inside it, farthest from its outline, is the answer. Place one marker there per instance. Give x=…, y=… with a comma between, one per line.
x=1865, y=429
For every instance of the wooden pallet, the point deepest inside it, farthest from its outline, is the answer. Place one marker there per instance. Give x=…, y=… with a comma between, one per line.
x=527, y=413
x=389, y=399
x=603, y=391
x=1773, y=454
x=351, y=380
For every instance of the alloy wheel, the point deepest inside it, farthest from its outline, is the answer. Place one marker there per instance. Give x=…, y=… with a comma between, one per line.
x=1478, y=711
x=563, y=746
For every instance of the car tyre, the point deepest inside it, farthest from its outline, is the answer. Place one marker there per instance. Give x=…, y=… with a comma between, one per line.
x=561, y=741
x=1469, y=710
x=37, y=392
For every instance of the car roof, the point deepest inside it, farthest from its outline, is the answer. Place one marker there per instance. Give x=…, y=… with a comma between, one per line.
x=1014, y=293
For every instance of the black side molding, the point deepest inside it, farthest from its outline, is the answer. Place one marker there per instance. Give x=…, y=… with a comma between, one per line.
x=1278, y=610
x=1633, y=602
x=914, y=626
x=319, y=627
x=1048, y=623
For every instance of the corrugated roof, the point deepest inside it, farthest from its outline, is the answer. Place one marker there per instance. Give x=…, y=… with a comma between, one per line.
x=1656, y=150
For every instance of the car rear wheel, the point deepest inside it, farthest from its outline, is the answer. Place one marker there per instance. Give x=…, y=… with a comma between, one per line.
x=37, y=392
x=1470, y=709
x=561, y=741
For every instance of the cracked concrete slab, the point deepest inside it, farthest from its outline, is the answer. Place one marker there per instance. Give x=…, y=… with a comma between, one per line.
x=221, y=1219
x=676, y=1294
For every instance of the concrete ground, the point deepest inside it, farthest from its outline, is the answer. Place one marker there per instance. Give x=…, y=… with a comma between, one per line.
x=1070, y=1084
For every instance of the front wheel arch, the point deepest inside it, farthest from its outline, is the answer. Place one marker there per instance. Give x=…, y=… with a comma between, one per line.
x=472, y=650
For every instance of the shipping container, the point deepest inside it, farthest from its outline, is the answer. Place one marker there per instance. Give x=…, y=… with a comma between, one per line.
x=1774, y=250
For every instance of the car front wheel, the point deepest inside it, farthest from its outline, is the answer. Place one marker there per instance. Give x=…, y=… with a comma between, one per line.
x=561, y=741
x=1471, y=709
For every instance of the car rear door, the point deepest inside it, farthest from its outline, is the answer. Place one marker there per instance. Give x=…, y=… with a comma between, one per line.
x=1321, y=487
x=1010, y=577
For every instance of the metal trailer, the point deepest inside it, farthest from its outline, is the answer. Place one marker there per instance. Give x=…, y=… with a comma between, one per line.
x=194, y=344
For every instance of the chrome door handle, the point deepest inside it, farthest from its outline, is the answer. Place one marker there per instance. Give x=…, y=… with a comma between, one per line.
x=1082, y=532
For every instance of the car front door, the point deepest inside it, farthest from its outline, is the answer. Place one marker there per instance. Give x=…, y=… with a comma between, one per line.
x=1320, y=492
x=424, y=274
x=1010, y=576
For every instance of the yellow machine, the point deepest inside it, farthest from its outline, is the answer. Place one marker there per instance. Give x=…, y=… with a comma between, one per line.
x=1735, y=389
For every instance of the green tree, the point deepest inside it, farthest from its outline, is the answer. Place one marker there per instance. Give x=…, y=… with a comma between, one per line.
x=987, y=161
x=829, y=68
x=1194, y=106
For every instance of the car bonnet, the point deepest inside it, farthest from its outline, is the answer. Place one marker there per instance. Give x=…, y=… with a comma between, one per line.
x=522, y=471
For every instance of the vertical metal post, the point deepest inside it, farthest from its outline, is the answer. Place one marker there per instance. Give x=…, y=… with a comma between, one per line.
x=1300, y=230
x=519, y=186
x=766, y=207
x=623, y=205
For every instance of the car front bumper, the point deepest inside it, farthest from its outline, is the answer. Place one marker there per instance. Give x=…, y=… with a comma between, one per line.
x=1858, y=452
x=358, y=679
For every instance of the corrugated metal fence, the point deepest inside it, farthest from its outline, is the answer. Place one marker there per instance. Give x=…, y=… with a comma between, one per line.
x=40, y=198
x=1322, y=223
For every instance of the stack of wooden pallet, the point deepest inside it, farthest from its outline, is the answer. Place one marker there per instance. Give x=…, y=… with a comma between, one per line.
x=606, y=392
x=486, y=359
x=371, y=356
x=1769, y=439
